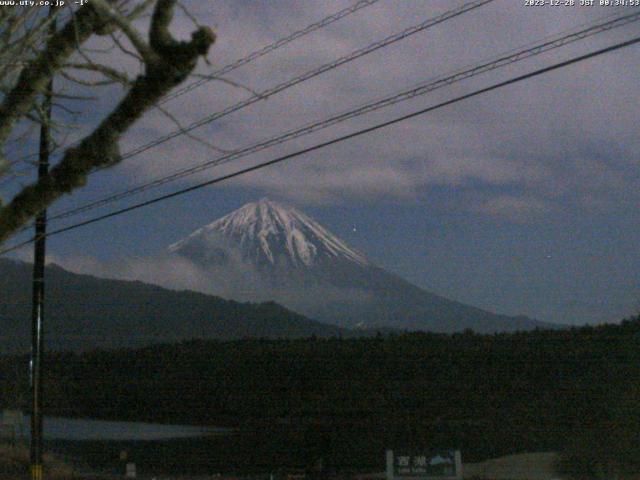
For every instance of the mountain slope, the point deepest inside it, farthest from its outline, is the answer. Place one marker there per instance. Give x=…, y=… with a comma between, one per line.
x=302, y=265
x=82, y=311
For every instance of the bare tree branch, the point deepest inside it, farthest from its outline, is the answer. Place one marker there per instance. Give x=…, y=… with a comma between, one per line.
x=233, y=83
x=124, y=49
x=139, y=10
x=189, y=15
x=86, y=83
x=171, y=63
x=145, y=51
x=108, y=72
x=188, y=134
x=34, y=77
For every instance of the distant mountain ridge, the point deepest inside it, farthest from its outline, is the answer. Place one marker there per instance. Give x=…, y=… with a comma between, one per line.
x=86, y=312
x=297, y=262
x=302, y=265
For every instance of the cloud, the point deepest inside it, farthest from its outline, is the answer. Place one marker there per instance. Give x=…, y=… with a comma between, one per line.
x=236, y=280
x=523, y=136
x=169, y=271
x=560, y=148
x=527, y=136
x=516, y=209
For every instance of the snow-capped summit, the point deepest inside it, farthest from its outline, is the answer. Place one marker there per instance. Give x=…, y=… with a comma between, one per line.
x=267, y=233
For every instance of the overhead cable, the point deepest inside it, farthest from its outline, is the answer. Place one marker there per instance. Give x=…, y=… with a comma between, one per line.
x=271, y=47
x=404, y=95
x=385, y=42
x=334, y=141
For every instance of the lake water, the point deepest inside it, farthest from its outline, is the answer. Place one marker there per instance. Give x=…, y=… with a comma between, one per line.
x=57, y=428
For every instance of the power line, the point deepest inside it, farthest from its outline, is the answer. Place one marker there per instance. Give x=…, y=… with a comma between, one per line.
x=309, y=75
x=271, y=47
x=421, y=89
x=328, y=20
x=334, y=141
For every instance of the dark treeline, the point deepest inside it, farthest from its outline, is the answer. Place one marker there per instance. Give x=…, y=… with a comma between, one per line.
x=574, y=390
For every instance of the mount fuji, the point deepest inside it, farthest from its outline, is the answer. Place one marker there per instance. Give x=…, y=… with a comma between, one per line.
x=267, y=250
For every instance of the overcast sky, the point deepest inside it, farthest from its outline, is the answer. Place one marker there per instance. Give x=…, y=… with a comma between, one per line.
x=521, y=201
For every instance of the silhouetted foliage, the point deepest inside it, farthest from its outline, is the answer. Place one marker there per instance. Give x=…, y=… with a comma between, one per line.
x=574, y=390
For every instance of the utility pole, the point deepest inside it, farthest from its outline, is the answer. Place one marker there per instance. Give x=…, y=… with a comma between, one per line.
x=37, y=313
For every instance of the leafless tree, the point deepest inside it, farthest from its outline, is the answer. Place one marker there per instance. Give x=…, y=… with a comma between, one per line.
x=32, y=52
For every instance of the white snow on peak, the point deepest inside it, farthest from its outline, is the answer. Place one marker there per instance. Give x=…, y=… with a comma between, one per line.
x=267, y=230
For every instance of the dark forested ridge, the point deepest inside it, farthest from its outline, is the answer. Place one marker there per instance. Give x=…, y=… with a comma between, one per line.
x=575, y=390
x=86, y=312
